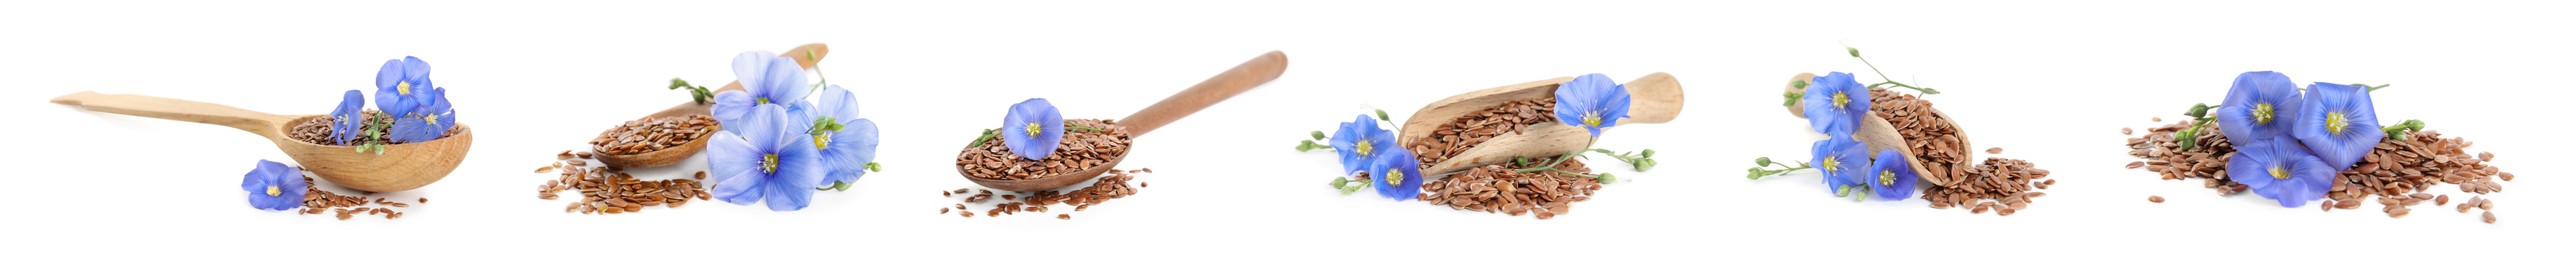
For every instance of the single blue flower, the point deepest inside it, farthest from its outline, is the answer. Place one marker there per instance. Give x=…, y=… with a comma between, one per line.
x=2252, y=109
x=1033, y=129
x=1894, y=178
x=348, y=121
x=401, y=85
x=845, y=150
x=1843, y=161
x=2337, y=123
x=427, y=122
x=768, y=80
x=1361, y=141
x=766, y=159
x=1396, y=175
x=1835, y=104
x=274, y=186
x=1592, y=101
x=2281, y=169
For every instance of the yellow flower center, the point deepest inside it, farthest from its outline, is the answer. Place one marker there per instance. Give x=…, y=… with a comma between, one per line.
x=1832, y=164
x=1591, y=118
x=770, y=161
x=1032, y=130
x=1886, y=178
x=763, y=101
x=1362, y=148
x=2263, y=112
x=403, y=87
x=431, y=119
x=1396, y=176
x=2279, y=172
x=272, y=191
x=2336, y=123
x=821, y=140
x=1841, y=100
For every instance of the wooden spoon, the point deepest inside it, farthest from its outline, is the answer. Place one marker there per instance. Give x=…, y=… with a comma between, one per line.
x=1880, y=135
x=1236, y=80
x=1655, y=98
x=808, y=55
x=400, y=167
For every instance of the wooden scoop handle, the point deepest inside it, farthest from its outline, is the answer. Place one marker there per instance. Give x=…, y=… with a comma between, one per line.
x=1218, y=88
x=807, y=54
x=263, y=124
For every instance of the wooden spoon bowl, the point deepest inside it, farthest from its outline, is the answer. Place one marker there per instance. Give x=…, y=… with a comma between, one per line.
x=400, y=167
x=1880, y=135
x=1653, y=99
x=808, y=56
x=1236, y=80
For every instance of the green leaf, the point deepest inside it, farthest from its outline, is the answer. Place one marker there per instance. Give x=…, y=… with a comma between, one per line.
x=1797, y=84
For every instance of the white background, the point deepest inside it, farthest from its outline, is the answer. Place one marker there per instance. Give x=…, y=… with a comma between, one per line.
x=2051, y=82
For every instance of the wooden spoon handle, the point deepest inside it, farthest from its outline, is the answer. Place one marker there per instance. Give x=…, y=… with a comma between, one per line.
x=1236, y=80
x=263, y=124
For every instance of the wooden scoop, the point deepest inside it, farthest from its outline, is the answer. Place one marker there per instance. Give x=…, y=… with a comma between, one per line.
x=1236, y=80
x=1880, y=135
x=1653, y=99
x=808, y=55
x=400, y=167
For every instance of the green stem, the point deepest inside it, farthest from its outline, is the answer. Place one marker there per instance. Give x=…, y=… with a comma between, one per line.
x=1881, y=74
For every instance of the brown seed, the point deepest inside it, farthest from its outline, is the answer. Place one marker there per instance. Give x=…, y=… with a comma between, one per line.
x=2485, y=205
x=2126, y=130
x=2488, y=219
x=1994, y=150
x=422, y=200
x=2158, y=199
x=2397, y=212
x=2441, y=200
x=1063, y=216
x=704, y=175
x=2326, y=205
x=944, y=211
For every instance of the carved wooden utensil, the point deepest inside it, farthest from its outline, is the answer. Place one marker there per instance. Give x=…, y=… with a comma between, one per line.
x=1236, y=80
x=1653, y=99
x=400, y=167
x=808, y=55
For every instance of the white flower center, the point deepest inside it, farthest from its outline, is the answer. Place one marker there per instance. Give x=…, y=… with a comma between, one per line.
x=2336, y=123
x=1032, y=130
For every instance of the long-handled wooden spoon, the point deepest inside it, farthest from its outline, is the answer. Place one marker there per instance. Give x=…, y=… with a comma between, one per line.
x=1880, y=135
x=400, y=167
x=1236, y=80
x=808, y=55
x=1653, y=99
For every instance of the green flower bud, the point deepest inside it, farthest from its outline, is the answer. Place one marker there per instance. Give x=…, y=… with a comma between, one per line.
x=1606, y=178
x=1317, y=135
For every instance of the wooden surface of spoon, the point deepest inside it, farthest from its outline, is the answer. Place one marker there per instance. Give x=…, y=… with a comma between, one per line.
x=1235, y=81
x=1653, y=99
x=1880, y=135
x=807, y=55
x=400, y=167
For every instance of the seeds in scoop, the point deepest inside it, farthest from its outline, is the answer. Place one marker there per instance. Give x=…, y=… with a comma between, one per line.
x=650, y=135
x=1088, y=143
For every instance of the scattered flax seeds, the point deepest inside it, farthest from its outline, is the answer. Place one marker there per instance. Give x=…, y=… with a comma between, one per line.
x=316, y=201
x=1114, y=184
x=1495, y=189
x=2398, y=173
x=1997, y=185
x=609, y=190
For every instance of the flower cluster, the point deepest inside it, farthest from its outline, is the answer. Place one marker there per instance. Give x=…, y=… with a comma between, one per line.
x=1592, y=102
x=778, y=147
x=2293, y=144
x=1835, y=104
x=413, y=109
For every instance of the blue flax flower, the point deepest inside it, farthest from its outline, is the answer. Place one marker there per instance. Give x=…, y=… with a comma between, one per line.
x=1843, y=161
x=1835, y=104
x=2337, y=123
x=765, y=159
x=274, y=186
x=845, y=150
x=1360, y=142
x=2252, y=109
x=348, y=122
x=401, y=86
x=768, y=80
x=1894, y=178
x=1033, y=129
x=1396, y=175
x=1592, y=101
x=427, y=122
x=2281, y=169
